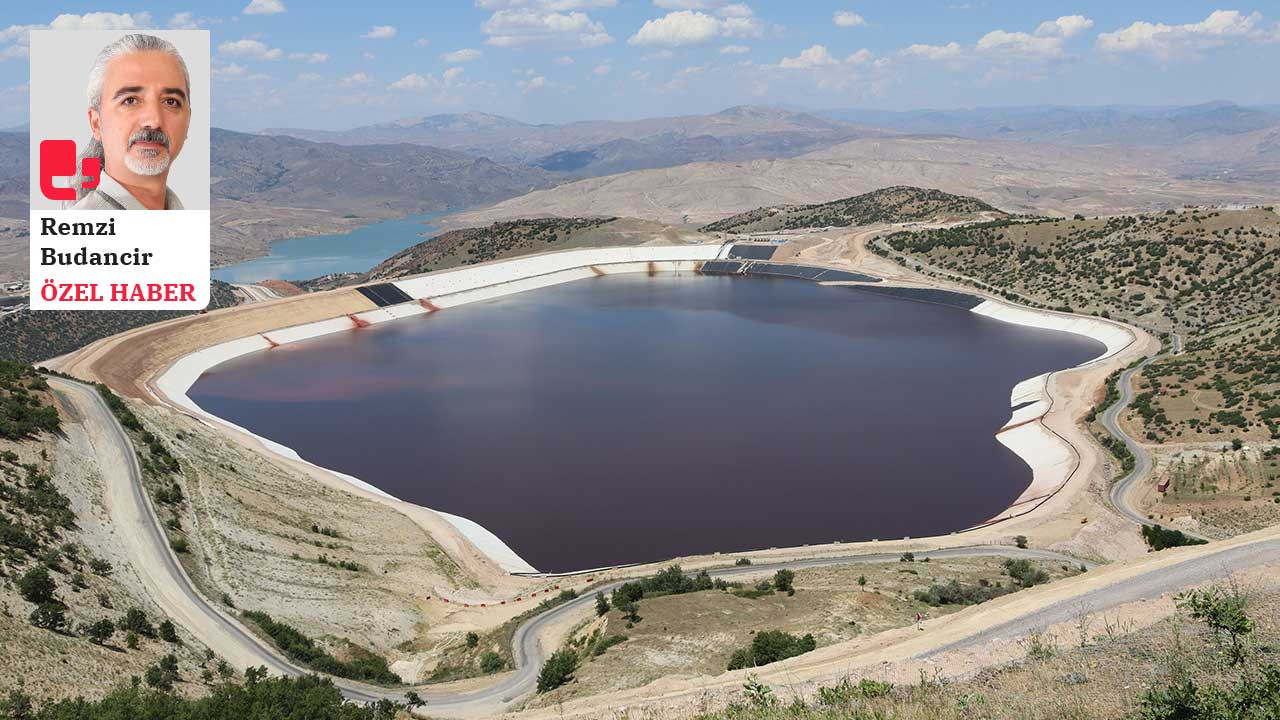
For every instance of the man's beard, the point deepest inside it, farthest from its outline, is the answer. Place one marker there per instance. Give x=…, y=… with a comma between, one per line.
x=152, y=162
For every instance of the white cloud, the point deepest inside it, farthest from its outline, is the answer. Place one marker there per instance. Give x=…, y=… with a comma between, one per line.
x=309, y=77
x=603, y=69
x=1221, y=27
x=563, y=60
x=556, y=5
x=847, y=18
x=950, y=51
x=422, y=42
x=691, y=27
x=536, y=82
x=1065, y=26
x=452, y=74
x=367, y=55
x=314, y=58
x=812, y=57
x=102, y=21
x=263, y=7
x=688, y=4
x=734, y=50
x=414, y=81
x=252, y=49
x=859, y=58
x=228, y=71
x=1047, y=44
x=356, y=79
x=519, y=27
x=19, y=35
x=183, y=21
x=464, y=55
x=1020, y=44
x=658, y=55
x=380, y=32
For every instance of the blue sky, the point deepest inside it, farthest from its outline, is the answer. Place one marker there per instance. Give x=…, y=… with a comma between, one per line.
x=339, y=64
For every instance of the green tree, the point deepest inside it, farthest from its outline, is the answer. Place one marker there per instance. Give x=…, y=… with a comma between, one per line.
x=135, y=620
x=36, y=586
x=472, y=639
x=602, y=604
x=558, y=670
x=784, y=581
x=491, y=662
x=168, y=632
x=50, y=616
x=100, y=632
x=413, y=700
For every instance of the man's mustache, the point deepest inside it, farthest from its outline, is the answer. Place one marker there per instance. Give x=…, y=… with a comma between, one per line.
x=150, y=135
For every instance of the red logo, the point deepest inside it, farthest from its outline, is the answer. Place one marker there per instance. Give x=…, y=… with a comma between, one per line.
x=58, y=159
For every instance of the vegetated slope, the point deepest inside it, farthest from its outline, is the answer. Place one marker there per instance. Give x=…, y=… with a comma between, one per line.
x=594, y=148
x=519, y=237
x=1213, y=276
x=29, y=336
x=896, y=204
x=1014, y=176
x=76, y=621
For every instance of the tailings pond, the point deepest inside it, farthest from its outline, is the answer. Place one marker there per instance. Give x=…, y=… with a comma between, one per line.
x=633, y=418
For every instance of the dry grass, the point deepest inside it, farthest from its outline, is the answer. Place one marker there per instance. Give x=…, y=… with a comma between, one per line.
x=696, y=633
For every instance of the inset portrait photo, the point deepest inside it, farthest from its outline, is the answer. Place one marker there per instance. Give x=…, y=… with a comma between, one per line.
x=120, y=120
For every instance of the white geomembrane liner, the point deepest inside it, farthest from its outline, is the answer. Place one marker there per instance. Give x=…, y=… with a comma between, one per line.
x=444, y=290
x=1051, y=458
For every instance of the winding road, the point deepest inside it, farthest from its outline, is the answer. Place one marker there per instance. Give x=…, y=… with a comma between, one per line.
x=169, y=585
x=1142, y=460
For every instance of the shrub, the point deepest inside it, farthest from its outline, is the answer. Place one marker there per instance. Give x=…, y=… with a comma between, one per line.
x=300, y=648
x=472, y=639
x=1025, y=573
x=49, y=616
x=1159, y=538
x=492, y=662
x=784, y=581
x=135, y=620
x=36, y=586
x=770, y=646
x=558, y=670
x=100, y=632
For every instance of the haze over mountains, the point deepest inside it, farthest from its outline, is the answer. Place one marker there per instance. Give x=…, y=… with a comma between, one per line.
x=592, y=148
x=1105, y=125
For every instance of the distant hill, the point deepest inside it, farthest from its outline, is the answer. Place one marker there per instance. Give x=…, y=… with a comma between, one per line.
x=1106, y=125
x=594, y=148
x=402, y=178
x=900, y=203
x=1018, y=177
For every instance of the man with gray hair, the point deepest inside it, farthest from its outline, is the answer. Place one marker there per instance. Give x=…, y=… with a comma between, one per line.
x=139, y=111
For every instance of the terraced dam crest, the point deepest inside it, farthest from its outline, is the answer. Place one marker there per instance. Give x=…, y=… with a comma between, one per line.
x=630, y=418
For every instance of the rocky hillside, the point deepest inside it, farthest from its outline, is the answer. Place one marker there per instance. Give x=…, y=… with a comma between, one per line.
x=896, y=204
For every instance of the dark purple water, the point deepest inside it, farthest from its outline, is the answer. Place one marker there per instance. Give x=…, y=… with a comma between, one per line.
x=634, y=418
